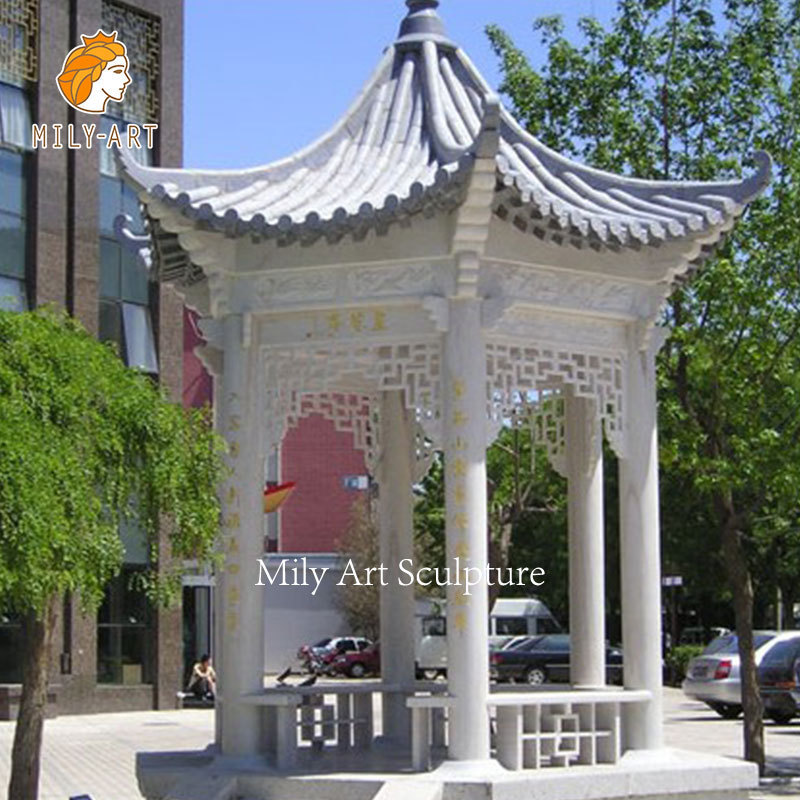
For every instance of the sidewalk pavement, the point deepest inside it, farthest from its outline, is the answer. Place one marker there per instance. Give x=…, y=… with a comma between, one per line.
x=96, y=754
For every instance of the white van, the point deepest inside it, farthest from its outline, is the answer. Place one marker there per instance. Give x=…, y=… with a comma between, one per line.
x=511, y=617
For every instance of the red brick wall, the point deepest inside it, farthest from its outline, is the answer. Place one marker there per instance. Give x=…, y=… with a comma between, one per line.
x=317, y=456
x=314, y=455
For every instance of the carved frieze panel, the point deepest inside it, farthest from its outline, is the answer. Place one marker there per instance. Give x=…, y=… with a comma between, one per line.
x=567, y=290
x=525, y=326
x=402, y=280
x=270, y=290
x=336, y=285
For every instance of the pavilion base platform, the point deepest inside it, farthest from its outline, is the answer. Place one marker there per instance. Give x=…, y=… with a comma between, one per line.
x=654, y=775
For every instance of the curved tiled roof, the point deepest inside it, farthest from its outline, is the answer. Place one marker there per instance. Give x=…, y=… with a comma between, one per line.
x=407, y=146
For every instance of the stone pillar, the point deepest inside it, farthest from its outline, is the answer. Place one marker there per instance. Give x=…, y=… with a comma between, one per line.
x=398, y=641
x=584, y=463
x=241, y=625
x=465, y=422
x=639, y=553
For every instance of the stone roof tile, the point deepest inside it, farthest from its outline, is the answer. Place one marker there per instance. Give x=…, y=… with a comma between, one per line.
x=407, y=144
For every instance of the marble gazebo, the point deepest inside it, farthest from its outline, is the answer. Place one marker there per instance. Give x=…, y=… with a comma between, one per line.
x=419, y=274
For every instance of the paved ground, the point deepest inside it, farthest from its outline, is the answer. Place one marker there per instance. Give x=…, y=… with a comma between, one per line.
x=95, y=754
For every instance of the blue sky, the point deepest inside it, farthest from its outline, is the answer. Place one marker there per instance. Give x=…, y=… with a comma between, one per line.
x=263, y=78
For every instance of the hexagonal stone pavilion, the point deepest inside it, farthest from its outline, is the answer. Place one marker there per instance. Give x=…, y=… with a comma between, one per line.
x=423, y=273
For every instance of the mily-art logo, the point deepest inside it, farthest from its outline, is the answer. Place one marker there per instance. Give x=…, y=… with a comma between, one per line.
x=94, y=74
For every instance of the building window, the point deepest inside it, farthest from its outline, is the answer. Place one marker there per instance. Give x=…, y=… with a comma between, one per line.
x=141, y=34
x=125, y=287
x=15, y=127
x=19, y=32
x=124, y=631
x=127, y=297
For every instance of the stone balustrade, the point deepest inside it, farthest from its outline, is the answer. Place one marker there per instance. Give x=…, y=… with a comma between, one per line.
x=535, y=729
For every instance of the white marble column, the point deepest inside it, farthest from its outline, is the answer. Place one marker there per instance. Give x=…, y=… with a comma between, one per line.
x=464, y=391
x=584, y=463
x=241, y=658
x=398, y=641
x=640, y=553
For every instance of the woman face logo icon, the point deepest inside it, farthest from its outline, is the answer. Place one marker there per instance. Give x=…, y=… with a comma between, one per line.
x=95, y=73
x=113, y=79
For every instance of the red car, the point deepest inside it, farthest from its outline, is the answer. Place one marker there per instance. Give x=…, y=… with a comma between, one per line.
x=357, y=663
x=318, y=657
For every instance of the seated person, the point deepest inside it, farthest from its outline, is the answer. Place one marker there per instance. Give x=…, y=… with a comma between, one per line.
x=203, y=682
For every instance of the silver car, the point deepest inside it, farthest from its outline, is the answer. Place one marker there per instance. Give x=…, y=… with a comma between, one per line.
x=714, y=677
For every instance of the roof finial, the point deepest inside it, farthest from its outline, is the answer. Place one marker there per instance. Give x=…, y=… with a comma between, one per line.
x=422, y=19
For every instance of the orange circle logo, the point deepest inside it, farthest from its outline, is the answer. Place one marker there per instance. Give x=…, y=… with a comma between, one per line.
x=94, y=73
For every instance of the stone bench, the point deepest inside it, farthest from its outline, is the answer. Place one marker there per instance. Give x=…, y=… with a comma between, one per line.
x=560, y=726
x=427, y=727
x=348, y=724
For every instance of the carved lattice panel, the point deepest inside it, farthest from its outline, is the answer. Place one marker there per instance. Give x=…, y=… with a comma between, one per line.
x=349, y=413
x=548, y=424
x=359, y=415
x=293, y=372
x=514, y=371
x=19, y=33
x=141, y=35
x=424, y=449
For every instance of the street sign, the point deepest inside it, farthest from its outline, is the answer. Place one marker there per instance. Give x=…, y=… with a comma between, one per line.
x=672, y=580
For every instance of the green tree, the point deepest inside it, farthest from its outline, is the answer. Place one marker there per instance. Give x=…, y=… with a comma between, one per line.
x=429, y=521
x=84, y=443
x=527, y=514
x=526, y=519
x=689, y=89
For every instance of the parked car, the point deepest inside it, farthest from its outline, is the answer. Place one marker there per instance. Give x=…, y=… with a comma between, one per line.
x=357, y=663
x=318, y=656
x=545, y=659
x=700, y=635
x=776, y=677
x=713, y=677
x=795, y=690
x=510, y=618
x=307, y=653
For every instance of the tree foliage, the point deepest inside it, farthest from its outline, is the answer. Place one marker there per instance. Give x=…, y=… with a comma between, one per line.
x=690, y=89
x=85, y=443
x=360, y=545
x=526, y=520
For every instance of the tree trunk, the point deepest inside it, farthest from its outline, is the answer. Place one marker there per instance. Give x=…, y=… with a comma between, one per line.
x=27, y=750
x=499, y=552
x=788, y=597
x=742, y=589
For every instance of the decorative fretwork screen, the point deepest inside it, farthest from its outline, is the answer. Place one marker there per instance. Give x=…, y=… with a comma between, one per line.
x=19, y=33
x=513, y=371
x=141, y=35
